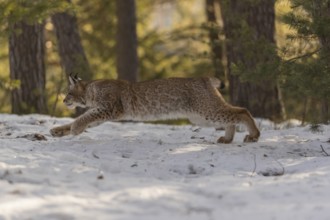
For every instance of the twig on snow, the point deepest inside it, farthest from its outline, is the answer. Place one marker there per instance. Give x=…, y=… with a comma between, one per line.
x=255, y=165
x=95, y=155
x=326, y=154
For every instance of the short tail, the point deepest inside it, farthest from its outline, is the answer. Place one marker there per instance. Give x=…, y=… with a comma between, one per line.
x=216, y=83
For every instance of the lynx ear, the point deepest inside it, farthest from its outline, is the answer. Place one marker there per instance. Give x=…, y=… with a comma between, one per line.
x=74, y=79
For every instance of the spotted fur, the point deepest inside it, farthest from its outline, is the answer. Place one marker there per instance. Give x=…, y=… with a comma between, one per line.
x=196, y=99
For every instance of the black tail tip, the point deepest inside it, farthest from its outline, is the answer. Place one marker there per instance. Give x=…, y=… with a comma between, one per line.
x=222, y=85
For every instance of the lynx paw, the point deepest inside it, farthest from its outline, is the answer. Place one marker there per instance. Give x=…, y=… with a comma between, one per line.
x=59, y=132
x=76, y=130
x=249, y=138
x=223, y=140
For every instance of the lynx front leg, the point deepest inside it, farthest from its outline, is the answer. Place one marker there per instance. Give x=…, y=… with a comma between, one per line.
x=61, y=131
x=92, y=117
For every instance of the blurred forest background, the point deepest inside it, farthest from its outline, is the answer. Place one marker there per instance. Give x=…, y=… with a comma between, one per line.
x=274, y=56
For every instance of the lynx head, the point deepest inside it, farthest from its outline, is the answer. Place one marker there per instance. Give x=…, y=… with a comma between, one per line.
x=76, y=93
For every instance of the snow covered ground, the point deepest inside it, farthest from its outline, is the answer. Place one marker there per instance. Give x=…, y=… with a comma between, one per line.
x=144, y=171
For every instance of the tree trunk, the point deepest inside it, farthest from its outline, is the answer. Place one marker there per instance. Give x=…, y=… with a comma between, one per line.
x=26, y=60
x=126, y=41
x=325, y=111
x=214, y=36
x=248, y=25
x=72, y=54
x=323, y=11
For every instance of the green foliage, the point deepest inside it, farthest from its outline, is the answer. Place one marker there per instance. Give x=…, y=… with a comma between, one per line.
x=306, y=68
x=163, y=52
x=11, y=11
x=308, y=72
x=5, y=83
x=30, y=11
x=176, y=53
x=177, y=48
x=316, y=128
x=253, y=54
x=97, y=22
x=310, y=77
x=172, y=41
x=260, y=62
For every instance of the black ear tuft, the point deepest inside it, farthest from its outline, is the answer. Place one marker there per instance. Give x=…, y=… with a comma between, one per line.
x=73, y=79
x=77, y=78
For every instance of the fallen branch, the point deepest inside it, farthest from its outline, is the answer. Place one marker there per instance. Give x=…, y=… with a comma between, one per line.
x=326, y=154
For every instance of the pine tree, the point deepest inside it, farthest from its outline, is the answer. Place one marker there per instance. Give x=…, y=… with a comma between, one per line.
x=249, y=27
x=22, y=22
x=126, y=40
x=71, y=51
x=26, y=55
x=307, y=72
x=215, y=41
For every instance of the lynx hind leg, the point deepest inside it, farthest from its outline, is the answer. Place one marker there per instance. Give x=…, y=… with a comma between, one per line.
x=246, y=118
x=229, y=135
x=61, y=131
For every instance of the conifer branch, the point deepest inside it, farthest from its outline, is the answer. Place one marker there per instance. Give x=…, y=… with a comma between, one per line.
x=326, y=153
x=303, y=56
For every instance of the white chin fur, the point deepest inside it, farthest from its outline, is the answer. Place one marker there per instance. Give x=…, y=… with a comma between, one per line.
x=71, y=106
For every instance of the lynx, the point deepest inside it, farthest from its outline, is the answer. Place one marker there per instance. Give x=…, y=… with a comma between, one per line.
x=196, y=99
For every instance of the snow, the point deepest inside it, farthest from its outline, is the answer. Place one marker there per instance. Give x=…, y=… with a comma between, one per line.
x=146, y=171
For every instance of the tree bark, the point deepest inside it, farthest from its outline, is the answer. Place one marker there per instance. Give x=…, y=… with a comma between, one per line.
x=71, y=51
x=323, y=11
x=72, y=54
x=126, y=41
x=325, y=111
x=26, y=60
x=247, y=24
x=214, y=36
